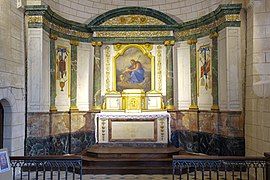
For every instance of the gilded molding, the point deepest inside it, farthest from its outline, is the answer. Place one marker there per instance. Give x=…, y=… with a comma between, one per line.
x=42, y=20
x=192, y=41
x=35, y=19
x=132, y=33
x=132, y=20
x=207, y=27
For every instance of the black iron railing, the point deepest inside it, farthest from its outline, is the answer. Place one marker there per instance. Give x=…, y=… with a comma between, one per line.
x=221, y=167
x=46, y=167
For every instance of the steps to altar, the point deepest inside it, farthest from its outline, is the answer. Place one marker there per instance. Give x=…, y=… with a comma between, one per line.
x=129, y=160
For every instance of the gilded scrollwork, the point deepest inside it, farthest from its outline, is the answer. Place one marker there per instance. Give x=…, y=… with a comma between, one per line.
x=132, y=33
x=159, y=68
x=108, y=65
x=215, y=24
x=133, y=20
x=44, y=21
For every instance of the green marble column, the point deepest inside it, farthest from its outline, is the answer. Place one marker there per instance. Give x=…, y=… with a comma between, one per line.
x=193, y=74
x=169, y=75
x=73, y=75
x=53, y=38
x=214, y=37
x=97, y=102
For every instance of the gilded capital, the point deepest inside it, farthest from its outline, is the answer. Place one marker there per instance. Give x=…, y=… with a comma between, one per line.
x=53, y=37
x=192, y=41
x=213, y=35
x=169, y=42
x=74, y=42
x=98, y=43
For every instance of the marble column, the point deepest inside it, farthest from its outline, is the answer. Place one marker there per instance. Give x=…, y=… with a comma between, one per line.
x=214, y=37
x=53, y=38
x=193, y=74
x=97, y=102
x=169, y=75
x=73, y=75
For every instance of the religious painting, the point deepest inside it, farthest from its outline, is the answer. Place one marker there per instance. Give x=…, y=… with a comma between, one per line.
x=4, y=161
x=204, y=67
x=133, y=70
x=62, y=61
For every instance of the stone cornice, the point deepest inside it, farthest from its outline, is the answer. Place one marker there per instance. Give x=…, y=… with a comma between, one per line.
x=41, y=16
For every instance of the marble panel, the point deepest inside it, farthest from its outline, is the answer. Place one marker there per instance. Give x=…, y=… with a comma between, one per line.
x=60, y=123
x=208, y=122
x=38, y=125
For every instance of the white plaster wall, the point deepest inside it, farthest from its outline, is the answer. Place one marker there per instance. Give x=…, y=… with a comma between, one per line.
x=84, y=64
x=12, y=75
x=222, y=69
x=38, y=70
x=230, y=69
x=205, y=98
x=183, y=75
x=257, y=122
x=234, y=74
x=62, y=100
x=85, y=10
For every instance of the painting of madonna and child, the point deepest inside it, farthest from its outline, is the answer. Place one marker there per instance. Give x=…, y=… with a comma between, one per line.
x=133, y=70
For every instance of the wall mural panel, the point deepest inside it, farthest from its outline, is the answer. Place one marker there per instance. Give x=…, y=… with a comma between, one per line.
x=62, y=66
x=204, y=68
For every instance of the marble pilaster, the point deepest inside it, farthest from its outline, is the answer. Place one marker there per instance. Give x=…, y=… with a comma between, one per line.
x=169, y=75
x=97, y=102
x=193, y=74
x=214, y=37
x=53, y=38
x=73, y=80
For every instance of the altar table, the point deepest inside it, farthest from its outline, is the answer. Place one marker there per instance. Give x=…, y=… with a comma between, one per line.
x=144, y=127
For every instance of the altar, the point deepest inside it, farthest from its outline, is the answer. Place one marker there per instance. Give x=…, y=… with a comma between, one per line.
x=133, y=128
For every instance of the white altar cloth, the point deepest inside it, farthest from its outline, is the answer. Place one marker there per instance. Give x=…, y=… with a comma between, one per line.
x=142, y=115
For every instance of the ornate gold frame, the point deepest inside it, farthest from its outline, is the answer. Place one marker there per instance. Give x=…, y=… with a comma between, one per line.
x=121, y=49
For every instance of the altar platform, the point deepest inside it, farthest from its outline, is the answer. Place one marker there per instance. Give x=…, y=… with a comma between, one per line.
x=129, y=160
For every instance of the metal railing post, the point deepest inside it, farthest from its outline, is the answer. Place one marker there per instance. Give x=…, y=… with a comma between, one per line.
x=267, y=165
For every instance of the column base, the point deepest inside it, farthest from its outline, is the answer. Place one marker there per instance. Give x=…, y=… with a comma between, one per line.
x=170, y=107
x=193, y=107
x=53, y=109
x=215, y=107
x=73, y=109
x=97, y=107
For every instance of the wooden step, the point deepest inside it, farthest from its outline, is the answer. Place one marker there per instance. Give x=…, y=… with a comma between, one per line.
x=132, y=152
x=127, y=170
x=129, y=160
x=90, y=161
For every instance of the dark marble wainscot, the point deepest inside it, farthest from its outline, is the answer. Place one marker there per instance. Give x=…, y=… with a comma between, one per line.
x=207, y=143
x=209, y=132
x=59, y=133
